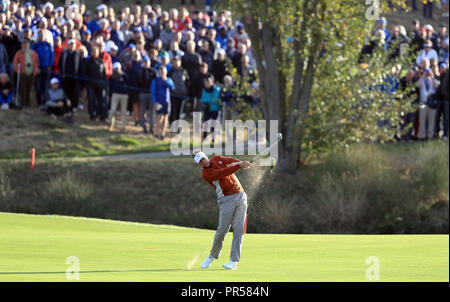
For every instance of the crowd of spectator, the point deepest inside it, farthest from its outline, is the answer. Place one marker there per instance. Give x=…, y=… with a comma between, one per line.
x=158, y=65
x=428, y=74
x=141, y=61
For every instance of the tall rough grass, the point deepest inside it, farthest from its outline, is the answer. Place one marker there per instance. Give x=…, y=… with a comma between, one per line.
x=433, y=172
x=7, y=191
x=67, y=194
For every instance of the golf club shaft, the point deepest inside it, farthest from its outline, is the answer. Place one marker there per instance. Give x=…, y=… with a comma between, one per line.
x=266, y=150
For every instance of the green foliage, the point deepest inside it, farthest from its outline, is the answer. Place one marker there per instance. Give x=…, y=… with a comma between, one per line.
x=332, y=99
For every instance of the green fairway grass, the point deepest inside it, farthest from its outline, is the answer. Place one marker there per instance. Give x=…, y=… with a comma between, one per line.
x=35, y=248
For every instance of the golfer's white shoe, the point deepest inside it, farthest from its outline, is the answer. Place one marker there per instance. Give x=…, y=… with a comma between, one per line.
x=207, y=262
x=230, y=265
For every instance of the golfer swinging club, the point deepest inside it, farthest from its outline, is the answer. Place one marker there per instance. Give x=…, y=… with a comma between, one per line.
x=219, y=172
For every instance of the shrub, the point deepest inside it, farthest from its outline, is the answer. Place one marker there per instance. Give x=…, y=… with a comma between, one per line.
x=67, y=194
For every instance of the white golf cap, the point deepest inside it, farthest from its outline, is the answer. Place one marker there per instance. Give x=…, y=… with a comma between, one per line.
x=429, y=27
x=71, y=41
x=54, y=81
x=102, y=7
x=117, y=65
x=198, y=157
x=221, y=51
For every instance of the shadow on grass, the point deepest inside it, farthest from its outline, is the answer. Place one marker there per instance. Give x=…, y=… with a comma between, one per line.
x=163, y=270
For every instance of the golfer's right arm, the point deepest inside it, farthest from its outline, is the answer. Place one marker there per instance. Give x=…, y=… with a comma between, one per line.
x=211, y=175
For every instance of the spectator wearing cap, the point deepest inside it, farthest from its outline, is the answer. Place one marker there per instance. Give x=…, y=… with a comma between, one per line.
x=155, y=60
x=427, y=52
x=222, y=37
x=48, y=36
x=87, y=18
x=146, y=76
x=165, y=61
x=95, y=71
x=86, y=39
x=47, y=9
x=69, y=67
x=133, y=70
x=46, y=59
x=219, y=68
x=427, y=112
x=28, y=60
x=382, y=25
x=56, y=102
x=180, y=79
x=125, y=56
x=119, y=95
x=93, y=25
x=439, y=36
x=160, y=90
x=238, y=34
x=114, y=53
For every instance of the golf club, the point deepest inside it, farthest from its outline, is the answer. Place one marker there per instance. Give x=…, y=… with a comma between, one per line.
x=280, y=137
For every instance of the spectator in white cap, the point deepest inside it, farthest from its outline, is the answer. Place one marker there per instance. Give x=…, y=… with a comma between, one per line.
x=48, y=8
x=56, y=102
x=60, y=15
x=119, y=95
x=427, y=52
x=70, y=66
x=48, y=36
x=218, y=68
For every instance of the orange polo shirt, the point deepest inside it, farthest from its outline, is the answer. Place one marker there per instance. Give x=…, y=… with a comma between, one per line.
x=220, y=174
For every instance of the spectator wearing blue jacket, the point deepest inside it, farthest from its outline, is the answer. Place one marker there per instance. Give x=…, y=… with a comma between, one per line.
x=160, y=90
x=210, y=99
x=46, y=59
x=93, y=26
